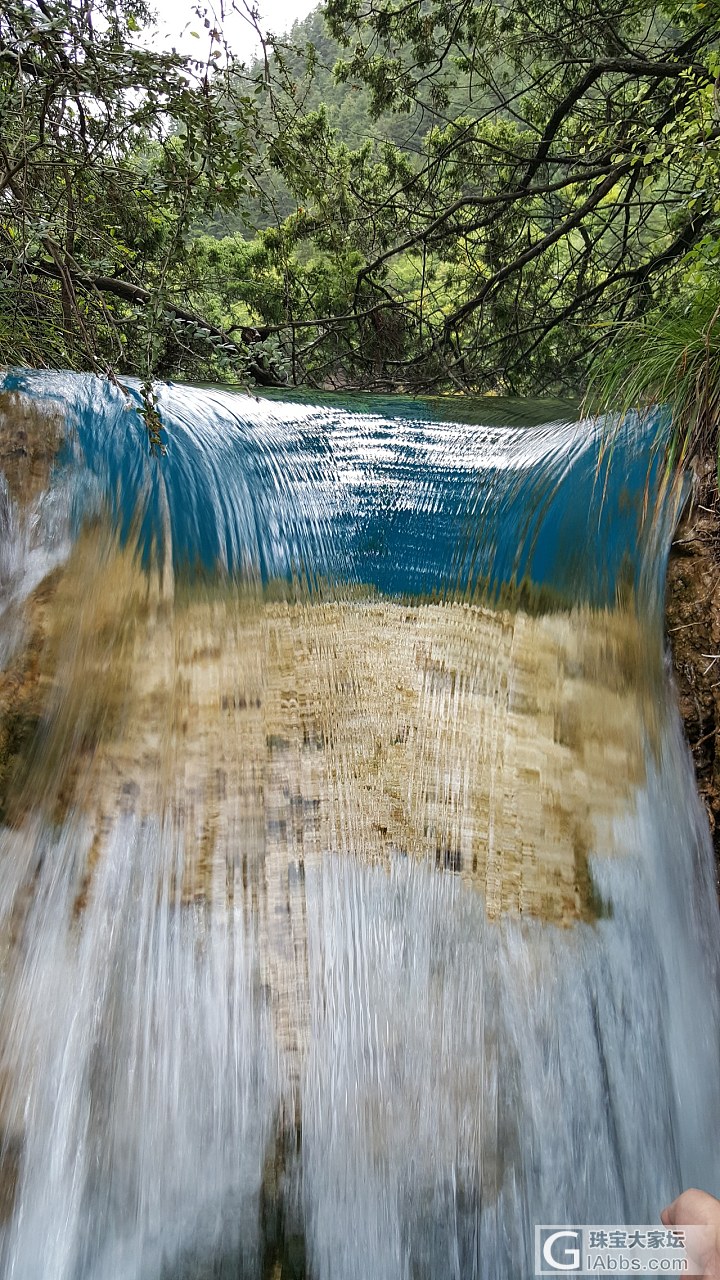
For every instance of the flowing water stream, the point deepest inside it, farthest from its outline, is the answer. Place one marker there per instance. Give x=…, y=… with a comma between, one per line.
x=357, y=909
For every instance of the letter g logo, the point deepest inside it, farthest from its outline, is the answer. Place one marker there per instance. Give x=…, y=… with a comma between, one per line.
x=571, y=1257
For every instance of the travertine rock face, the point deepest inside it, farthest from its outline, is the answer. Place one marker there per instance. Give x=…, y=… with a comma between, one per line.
x=30, y=436
x=498, y=746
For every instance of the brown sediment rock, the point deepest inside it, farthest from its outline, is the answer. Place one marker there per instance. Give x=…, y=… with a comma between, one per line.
x=65, y=688
x=11, y=1140
x=30, y=436
x=489, y=744
x=693, y=628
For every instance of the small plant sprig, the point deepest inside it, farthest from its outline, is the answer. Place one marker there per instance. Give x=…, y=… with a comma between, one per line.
x=150, y=413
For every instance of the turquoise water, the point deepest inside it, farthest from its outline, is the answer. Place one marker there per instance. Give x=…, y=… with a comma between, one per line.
x=380, y=493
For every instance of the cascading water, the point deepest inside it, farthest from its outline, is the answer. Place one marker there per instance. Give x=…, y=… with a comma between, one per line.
x=357, y=911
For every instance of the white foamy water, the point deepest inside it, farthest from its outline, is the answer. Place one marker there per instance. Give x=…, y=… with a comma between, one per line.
x=342, y=936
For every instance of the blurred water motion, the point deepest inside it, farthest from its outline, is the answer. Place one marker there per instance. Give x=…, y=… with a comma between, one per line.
x=356, y=907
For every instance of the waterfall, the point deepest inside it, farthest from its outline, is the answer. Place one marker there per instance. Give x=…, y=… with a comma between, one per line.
x=357, y=908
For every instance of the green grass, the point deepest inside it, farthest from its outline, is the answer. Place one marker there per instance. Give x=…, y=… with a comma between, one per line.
x=671, y=357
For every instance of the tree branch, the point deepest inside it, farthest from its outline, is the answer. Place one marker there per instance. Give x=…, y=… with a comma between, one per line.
x=136, y=294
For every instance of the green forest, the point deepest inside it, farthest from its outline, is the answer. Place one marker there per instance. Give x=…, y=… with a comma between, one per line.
x=409, y=195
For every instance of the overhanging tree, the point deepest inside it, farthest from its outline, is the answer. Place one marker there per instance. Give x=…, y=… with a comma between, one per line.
x=110, y=152
x=569, y=165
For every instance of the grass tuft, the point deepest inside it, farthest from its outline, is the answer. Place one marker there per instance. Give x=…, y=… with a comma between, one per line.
x=672, y=358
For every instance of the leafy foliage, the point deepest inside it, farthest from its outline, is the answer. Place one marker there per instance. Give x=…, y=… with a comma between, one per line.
x=578, y=174
x=399, y=195
x=109, y=154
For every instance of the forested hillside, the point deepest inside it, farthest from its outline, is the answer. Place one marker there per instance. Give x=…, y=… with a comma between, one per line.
x=302, y=66
x=423, y=196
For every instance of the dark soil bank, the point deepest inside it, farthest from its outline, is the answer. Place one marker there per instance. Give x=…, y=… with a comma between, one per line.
x=692, y=620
